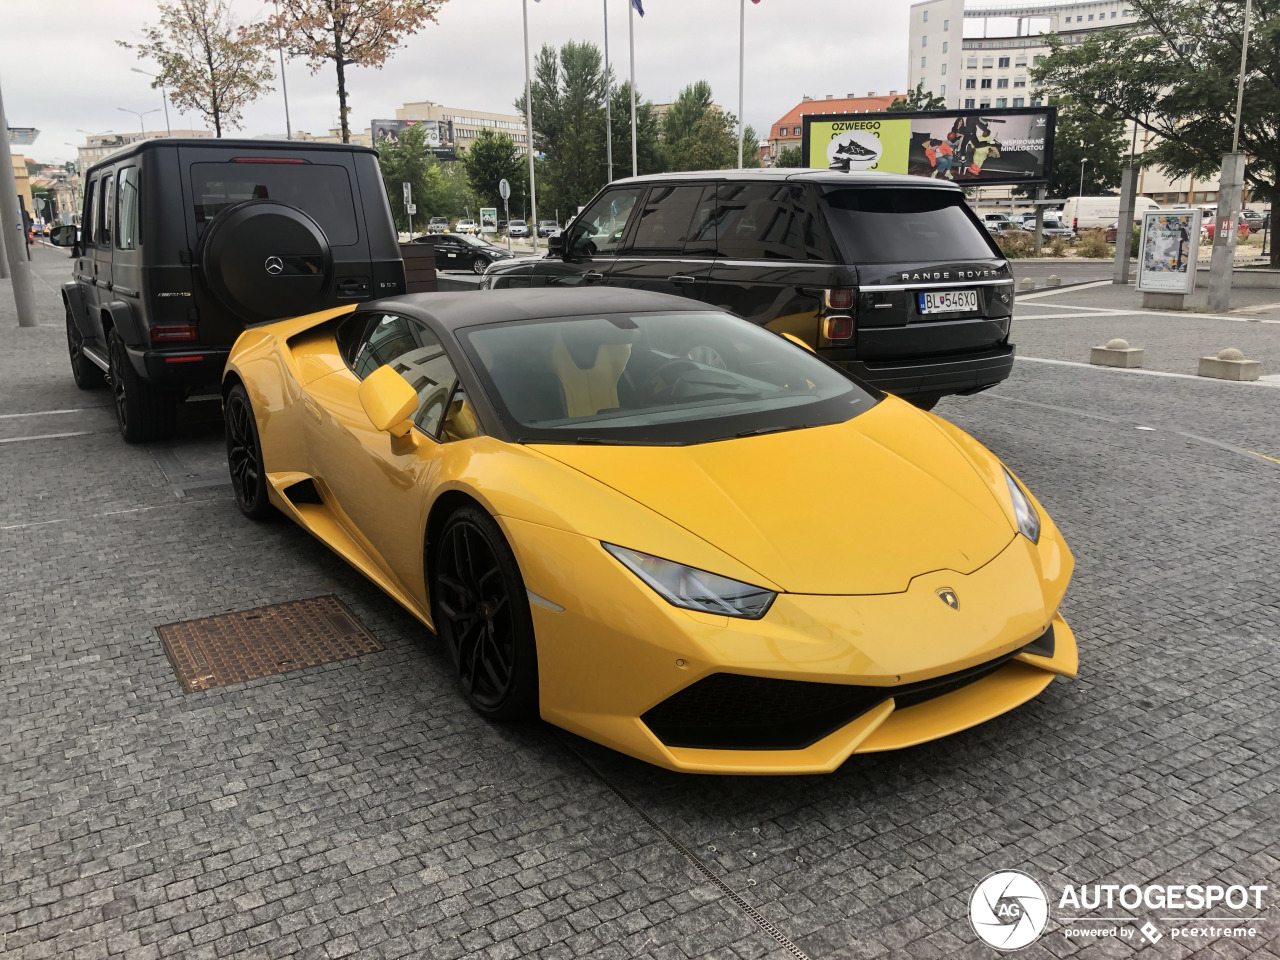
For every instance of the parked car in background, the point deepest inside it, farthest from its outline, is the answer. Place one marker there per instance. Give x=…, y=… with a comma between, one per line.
x=1256, y=219
x=467, y=225
x=462, y=251
x=1000, y=228
x=547, y=227
x=995, y=222
x=1208, y=224
x=438, y=225
x=1086, y=213
x=517, y=228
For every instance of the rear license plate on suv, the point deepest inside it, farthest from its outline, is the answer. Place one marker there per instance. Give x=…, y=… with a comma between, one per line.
x=948, y=301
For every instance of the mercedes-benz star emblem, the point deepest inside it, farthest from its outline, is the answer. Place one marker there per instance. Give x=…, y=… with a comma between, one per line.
x=948, y=596
x=274, y=266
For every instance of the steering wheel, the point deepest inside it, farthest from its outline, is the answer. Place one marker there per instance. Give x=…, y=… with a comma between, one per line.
x=708, y=357
x=664, y=380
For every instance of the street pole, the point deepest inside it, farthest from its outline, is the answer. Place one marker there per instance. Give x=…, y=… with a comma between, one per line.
x=141, y=124
x=742, y=60
x=1230, y=193
x=1128, y=201
x=284, y=84
x=164, y=95
x=1244, y=58
x=1082, y=163
x=15, y=244
x=608, y=101
x=528, y=125
x=631, y=28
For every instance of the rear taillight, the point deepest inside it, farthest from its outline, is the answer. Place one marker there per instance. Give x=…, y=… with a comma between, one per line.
x=174, y=333
x=266, y=160
x=837, y=328
x=1075, y=223
x=840, y=299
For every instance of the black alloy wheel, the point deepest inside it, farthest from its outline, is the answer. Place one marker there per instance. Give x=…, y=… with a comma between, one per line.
x=481, y=611
x=143, y=413
x=88, y=375
x=244, y=456
x=478, y=265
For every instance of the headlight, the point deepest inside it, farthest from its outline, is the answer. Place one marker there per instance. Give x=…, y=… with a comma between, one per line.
x=1028, y=519
x=695, y=589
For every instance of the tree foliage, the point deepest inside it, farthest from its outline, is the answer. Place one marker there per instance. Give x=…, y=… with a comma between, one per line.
x=349, y=33
x=210, y=62
x=648, y=147
x=407, y=161
x=1085, y=135
x=698, y=135
x=790, y=157
x=491, y=158
x=917, y=99
x=1174, y=75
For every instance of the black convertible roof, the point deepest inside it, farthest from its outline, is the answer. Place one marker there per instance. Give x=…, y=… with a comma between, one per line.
x=467, y=309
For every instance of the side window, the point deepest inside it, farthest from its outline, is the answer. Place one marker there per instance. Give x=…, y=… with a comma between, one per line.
x=600, y=228
x=413, y=352
x=127, y=209
x=771, y=221
x=106, y=210
x=666, y=219
x=350, y=336
x=89, y=219
x=702, y=232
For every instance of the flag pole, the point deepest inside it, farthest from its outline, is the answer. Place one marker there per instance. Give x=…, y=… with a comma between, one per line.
x=528, y=127
x=631, y=27
x=742, y=59
x=608, y=97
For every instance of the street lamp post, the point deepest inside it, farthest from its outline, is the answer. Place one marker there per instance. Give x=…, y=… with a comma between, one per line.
x=164, y=94
x=1082, y=163
x=140, y=114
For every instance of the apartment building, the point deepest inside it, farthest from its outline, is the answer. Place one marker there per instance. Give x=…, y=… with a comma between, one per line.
x=788, y=130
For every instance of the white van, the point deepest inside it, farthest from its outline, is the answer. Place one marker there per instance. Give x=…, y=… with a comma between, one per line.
x=1085, y=213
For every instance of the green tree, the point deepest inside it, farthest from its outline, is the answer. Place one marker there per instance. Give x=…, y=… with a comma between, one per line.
x=917, y=99
x=457, y=198
x=649, y=154
x=1092, y=137
x=750, y=148
x=1174, y=75
x=408, y=161
x=698, y=135
x=490, y=159
x=789, y=157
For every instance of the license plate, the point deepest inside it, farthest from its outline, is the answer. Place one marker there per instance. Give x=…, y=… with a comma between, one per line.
x=948, y=301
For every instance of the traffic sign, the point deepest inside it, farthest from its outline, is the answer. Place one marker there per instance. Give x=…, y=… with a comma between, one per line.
x=504, y=189
x=411, y=208
x=408, y=192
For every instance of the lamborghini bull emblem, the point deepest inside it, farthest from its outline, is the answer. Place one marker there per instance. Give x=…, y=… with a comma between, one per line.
x=948, y=596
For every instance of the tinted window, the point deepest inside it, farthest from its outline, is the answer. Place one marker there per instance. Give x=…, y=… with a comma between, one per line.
x=666, y=221
x=655, y=379
x=106, y=207
x=893, y=225
x=322, y=191
x=770, y=221
x=127, y=209
x=414, y=353
x=88, y=226
x=599, y=229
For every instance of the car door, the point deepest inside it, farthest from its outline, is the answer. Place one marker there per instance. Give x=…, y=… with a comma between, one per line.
x=126, y=264
x=104, y=236
x=382, y=484
x=448, y=253
x=592, y=245
x=672, y=247
x=83, y=271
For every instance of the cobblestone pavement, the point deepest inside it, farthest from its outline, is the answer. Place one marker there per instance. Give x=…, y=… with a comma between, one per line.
x=360, y=809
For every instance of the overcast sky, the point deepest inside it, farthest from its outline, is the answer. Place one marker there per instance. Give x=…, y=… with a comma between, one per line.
x=62, y=71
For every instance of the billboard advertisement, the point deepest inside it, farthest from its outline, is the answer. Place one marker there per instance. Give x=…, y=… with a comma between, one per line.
x=1167, y=251
x=488, y=219
x=970, y=147
x=437, y=134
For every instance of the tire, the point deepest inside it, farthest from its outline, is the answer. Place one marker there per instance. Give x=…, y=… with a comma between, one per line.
x=88, y=375
x=479, y=265
x=244, y=456
x=142, y=412
x=925, y=401
x=481, y=612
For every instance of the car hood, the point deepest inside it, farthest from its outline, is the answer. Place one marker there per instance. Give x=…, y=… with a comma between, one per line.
x=860, y=507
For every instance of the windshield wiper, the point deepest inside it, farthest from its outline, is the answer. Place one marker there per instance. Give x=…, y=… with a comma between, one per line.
x=759, y=431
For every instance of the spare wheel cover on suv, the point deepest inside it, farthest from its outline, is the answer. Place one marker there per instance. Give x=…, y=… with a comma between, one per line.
x=264, y=260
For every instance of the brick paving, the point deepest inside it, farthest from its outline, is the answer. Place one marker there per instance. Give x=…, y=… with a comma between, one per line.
x=359, y=809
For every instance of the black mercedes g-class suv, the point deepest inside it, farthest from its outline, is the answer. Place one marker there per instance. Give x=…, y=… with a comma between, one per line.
x=891, y=277
x=185, y=241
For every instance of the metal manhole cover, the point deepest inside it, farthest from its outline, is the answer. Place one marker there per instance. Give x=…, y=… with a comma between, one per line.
x=232, y=648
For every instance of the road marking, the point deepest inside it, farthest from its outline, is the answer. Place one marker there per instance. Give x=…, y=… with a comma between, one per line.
x=109, y=513
x=1086, y=312
x=48, y=436
x=47, y=413
x=1054, y=291
x=1257, y=306
x=1264, y=456
x=1149, y=373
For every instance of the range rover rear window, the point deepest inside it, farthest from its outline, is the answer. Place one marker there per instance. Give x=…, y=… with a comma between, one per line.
x=890, y=225
x=323, y=191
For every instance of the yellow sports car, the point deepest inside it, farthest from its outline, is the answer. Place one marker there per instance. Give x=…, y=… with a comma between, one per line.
x=655, y=524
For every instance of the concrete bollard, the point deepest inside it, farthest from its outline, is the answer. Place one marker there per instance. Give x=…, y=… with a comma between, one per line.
x=1117, y=353
x=1229, y=364
x=1053, y=281
x=1027, y=284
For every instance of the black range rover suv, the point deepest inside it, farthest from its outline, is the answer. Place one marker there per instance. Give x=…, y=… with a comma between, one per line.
x=185, y=241
x=891, y=277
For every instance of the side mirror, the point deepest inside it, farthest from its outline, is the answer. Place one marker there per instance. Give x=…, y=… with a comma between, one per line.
x=555, y=245
x=460, y=422
x=63, y=235
x=389, y=401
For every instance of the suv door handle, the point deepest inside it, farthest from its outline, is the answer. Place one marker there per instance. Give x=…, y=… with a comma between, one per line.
x=592, y=276
x=681, y=278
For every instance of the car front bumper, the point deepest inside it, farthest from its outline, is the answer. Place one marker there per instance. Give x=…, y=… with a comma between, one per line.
x=616, y=653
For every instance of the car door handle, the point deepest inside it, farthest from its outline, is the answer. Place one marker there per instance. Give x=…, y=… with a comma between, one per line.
x=681, y=278
x=592, y=276
x=312, y=409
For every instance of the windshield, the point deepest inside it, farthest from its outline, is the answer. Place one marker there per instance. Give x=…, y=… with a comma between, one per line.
x=654, y=379
x=901, y=225
x=474, y=241
x=517, y=223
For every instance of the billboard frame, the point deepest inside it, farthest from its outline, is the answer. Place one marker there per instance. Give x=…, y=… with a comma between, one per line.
x=1050, y=112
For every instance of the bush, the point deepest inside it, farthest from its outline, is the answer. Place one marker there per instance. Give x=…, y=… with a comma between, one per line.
x=1057, y=247
x=1093, y=244
x=1135, y=242
x=1016, y=245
